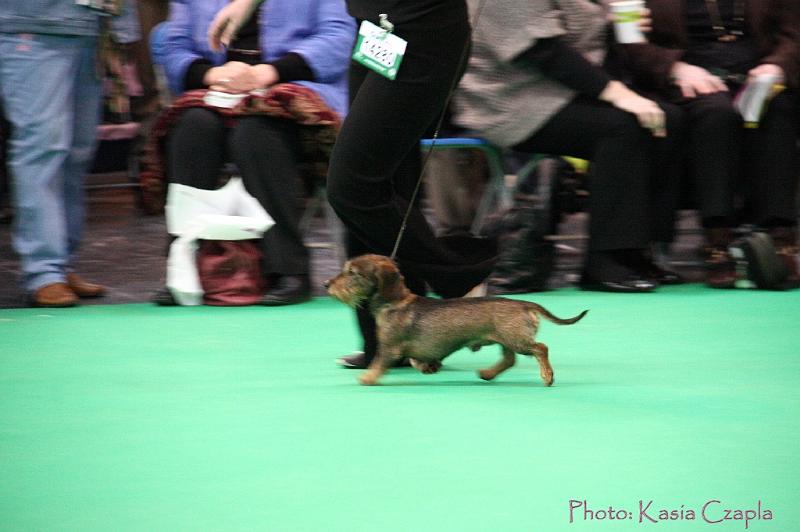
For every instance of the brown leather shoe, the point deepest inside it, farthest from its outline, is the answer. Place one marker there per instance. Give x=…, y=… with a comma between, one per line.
x=54, y=295
x=82, y=288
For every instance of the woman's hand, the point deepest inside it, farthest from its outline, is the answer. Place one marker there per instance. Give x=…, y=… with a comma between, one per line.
x=646, y=21
x=227, y=77
x=767, y=69
x=693, y=80
x=228, y=21
x=236, y=77
x=649, y=114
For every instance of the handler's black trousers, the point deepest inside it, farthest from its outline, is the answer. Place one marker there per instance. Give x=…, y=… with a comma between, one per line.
x=376, y=160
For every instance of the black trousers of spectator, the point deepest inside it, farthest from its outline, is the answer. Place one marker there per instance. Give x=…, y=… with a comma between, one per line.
x=634, y=177
x=761, y=163
x=265, y=150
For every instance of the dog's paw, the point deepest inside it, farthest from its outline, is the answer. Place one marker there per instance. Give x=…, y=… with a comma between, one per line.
x=487, y=374
x=367, y=379
x=426, y=367
x=548, y=378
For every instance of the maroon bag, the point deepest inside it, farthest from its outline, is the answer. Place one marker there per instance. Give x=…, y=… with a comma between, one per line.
x=230, y=272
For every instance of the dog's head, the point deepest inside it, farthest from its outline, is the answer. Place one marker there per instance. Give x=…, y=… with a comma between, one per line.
x=368, y=278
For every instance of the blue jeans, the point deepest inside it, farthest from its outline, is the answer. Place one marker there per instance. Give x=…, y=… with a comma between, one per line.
x=50, y=91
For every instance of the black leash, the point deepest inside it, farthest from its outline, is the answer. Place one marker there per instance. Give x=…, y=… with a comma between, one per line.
x=463, y=61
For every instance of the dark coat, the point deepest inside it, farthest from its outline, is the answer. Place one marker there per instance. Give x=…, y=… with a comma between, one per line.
x=774, y=24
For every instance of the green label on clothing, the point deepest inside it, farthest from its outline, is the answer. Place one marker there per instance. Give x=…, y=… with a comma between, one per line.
x=379, y=50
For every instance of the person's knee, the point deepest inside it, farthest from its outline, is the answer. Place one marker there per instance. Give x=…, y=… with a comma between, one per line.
x=201, y=121
x=674, y=119
x=716, y=108
x=621, y=124
x=255, y=134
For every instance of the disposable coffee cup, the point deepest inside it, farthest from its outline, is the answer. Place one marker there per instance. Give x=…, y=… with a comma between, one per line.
x=626, y=15
x=753, y=99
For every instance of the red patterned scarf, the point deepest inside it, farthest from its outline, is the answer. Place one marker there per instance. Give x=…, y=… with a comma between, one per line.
x=286, y=100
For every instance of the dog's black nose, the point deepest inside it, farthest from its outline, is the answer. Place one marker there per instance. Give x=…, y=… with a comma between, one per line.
x=327, y=283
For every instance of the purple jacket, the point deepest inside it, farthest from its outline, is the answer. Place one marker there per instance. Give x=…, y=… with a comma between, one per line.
x=320, y=31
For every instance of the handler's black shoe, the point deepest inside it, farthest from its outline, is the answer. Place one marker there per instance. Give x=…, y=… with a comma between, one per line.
x=288, y=290
x=358, y=360
x=630, y=285
x=355, y=360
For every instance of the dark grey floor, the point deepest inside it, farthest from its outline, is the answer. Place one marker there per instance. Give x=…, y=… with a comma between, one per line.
x=125, y=249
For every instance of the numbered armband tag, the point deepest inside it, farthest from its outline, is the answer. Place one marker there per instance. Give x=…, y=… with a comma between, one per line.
x=379, y=50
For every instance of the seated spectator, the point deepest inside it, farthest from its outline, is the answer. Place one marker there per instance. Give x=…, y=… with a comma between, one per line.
x=304, y=42
x=700, y=54
x=534, y=84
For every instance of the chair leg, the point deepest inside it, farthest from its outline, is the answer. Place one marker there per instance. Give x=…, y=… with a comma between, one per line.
x=497, y=194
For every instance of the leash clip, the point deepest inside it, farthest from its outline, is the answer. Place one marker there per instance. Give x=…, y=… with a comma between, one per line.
x=383, y=22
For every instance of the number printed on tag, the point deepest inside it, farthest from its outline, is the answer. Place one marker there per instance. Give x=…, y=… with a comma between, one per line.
x=379, y=50
x=375, y=49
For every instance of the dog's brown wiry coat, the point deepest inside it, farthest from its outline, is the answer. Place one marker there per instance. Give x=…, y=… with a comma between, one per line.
x=427, y=330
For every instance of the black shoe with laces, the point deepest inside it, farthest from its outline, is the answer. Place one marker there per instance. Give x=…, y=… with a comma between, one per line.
x=358, y=360
x=288, y=290
x=355, y=360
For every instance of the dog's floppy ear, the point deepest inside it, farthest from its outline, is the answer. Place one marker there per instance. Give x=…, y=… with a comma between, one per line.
x=389, y=280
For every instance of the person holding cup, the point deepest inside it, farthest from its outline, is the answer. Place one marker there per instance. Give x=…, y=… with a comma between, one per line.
x=535, y=83
x=700, y=55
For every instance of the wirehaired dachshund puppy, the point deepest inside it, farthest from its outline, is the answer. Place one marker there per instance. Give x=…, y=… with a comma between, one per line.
x=427, y=330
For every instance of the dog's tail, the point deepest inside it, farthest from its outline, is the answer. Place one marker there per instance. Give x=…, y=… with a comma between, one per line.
x=543, y=312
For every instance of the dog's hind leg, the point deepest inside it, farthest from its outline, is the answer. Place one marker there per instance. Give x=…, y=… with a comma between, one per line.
x=541, y=352
x=508, y=360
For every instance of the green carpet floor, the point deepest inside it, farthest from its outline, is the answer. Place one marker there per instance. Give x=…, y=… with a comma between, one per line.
x=134, y=417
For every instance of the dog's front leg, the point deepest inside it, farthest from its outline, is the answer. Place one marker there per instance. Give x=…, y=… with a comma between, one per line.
x=383, y=360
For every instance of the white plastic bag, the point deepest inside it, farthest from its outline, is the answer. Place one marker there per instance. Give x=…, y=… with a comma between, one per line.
x=228, y=213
